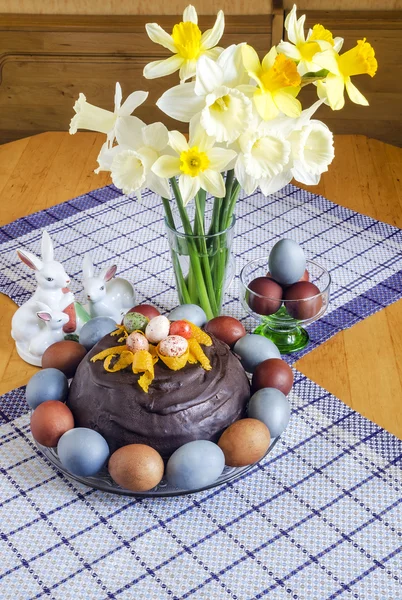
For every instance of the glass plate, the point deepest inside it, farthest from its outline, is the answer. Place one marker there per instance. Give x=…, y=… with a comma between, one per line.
x=102, y=481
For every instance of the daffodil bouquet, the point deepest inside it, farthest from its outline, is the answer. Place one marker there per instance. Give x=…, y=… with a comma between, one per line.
x=244, y=118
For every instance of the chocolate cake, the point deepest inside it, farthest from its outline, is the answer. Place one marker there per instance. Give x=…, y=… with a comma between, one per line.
x=180, y=406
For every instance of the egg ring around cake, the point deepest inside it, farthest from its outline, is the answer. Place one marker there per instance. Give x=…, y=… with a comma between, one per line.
x=179, y=407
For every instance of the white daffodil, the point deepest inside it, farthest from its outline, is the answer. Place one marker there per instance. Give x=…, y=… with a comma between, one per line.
x=131, y=160
x=187, y=43
x=302, y=49
x=359, y=60
x=312, y=152
x=225, y=112
x=94, y=118
x=263, y=157
x=197, y=163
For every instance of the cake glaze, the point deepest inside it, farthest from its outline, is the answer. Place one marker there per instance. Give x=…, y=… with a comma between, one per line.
x=181, y=406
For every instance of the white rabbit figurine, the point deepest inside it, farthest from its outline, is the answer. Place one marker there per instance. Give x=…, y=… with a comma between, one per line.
x=51, y=333
x=51, y=278
x=107, y=297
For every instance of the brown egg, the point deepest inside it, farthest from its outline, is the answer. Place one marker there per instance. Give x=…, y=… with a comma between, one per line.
x=65, y=356
x=136, y=467
x=274, y=373
x=147, y=310
x=227, y=329
x=244, y=442
x=267, y=298
x=309, y=304
x=49, y=421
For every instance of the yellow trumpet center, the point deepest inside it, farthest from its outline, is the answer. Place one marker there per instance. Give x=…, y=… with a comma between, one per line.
x=308, y=49
x=187, y=39
x=359, y=60
x=282, y=74
x=193, y=162
x=320, y=33
x=221, y=104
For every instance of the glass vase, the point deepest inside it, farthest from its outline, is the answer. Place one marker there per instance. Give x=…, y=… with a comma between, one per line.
x=203, y=266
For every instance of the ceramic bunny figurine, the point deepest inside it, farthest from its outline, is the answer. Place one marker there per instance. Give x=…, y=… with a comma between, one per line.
x=52, y=332
x=51, y=278
x=107, y=297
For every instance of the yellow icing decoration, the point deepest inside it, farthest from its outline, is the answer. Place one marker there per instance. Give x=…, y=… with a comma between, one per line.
x=125, y=359
x=144, y=362
x=109, y=352
x=198, y=353
x=199, y=335
x=175, y=363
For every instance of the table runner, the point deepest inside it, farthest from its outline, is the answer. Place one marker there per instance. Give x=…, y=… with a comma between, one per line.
x=320, y=518
x=363, y=255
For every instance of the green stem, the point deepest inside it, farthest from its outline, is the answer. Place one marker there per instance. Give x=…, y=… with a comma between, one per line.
x=232, y=203
x=214, y=225
x=204, y=255
x=192, y=249
x=177, y=267
x=225, y=205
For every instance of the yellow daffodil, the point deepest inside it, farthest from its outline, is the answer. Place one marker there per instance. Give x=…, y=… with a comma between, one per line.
x=357, y=61
x=187, y=44
x=278, y=83
x=302, y=49
x=197, y=163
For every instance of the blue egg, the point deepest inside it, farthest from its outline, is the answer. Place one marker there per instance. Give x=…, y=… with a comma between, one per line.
x=83, y=451
x=190, y=312
x=253, y=349
x=270, y=406
x=95, y=329
x=286, y=262
x=195, y=465
x=48, y=384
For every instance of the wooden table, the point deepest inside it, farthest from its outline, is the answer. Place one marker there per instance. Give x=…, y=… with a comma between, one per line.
x=362, y=366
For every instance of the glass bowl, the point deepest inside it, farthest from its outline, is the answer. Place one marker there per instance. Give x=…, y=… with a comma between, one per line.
x=102, y=480
x=285, y=327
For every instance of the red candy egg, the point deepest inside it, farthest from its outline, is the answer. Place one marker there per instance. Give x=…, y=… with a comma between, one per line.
x=181, y=328
x=303, y=300
x=147, y=310
x=273, y=373
x=267, y=298
x=49, y=421
x=226, y=329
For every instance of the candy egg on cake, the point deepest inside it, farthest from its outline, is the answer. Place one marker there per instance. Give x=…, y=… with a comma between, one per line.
x=157, y=329
x=182, y=328
x=135, y=321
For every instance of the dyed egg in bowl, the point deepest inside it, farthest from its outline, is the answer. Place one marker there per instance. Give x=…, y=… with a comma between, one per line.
x=284, y=314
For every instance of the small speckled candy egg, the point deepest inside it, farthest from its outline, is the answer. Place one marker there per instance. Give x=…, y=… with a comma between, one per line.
x=270, y=406
x=244, y=442
x=173, y=345
x=49, y=421
x=157, y=329
x=253, y=349
x=287, y=262
x=195, y=465
x=94, y=330
x=189, y=312
x=136, y=467
x=134, y=321
x=136, y=341
x=83, y=451
x=47, y=384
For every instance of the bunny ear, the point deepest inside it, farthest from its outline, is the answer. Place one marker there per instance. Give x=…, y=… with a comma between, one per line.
x=108, y=273
x=45, y=316
x=47, y=247
x=87, y=266
x=30, y=260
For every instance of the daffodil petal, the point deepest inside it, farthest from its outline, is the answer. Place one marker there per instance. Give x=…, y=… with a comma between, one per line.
x=132, y=102
x=106, y=156
x=338, y=43
x=354, y=94
x=269, y=59
x=128, y=131
x=291, y=25
x=158, y=185
x=166, y=166
x=265, y=105
x=180, y=102
x=302, y=175
x=219, y=158
x=213, y=53
x=189, y=187
x=156, y=136
x=159, y=36
x=231, y=63
x=117, y=96
x=211, y=37
x=289, y=50
x=250, y=59
x=276, y=183
x=160, y=68
x=209, y=76
x=334, y=88
x=188, y=70
x=327, y=60
x=190, y=14
x=247, y=182
x=128, y=171
x=177, y=141
x=289, y=105
x=199, y=137
x=213, y=183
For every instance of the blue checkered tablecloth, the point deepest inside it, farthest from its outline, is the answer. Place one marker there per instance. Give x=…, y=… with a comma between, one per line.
x=320, y=518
